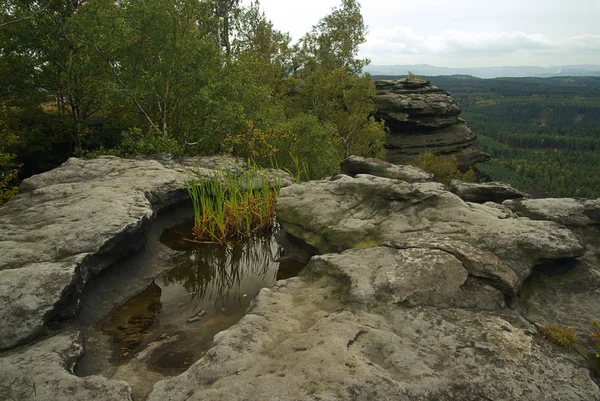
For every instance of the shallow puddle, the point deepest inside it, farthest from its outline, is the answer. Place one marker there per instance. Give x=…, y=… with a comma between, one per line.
x=170, y=323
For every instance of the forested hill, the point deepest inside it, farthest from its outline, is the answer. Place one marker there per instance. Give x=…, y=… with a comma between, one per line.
x=542, y=133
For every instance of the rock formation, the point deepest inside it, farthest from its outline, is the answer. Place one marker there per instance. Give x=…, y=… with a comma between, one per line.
x=421, y=117
x=411, y=292
x=70, y=223
x=496, y=192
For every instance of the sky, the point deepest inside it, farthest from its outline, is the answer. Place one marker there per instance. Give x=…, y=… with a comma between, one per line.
x=462, y=33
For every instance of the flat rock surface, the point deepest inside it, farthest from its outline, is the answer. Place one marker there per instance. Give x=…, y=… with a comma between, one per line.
x=70, y=223
x=44, y=371
x=567, y=211
x=300, y=341
x=344, y=212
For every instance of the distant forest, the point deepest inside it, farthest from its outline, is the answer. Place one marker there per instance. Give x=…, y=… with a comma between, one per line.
x=542, y=133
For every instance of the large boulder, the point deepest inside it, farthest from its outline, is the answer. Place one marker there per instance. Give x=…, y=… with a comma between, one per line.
x=567, y=211
x=353, y=165
x=421, y=117
x=344, y=212
x=496, y=192
x=302, y=340
x=70, y=223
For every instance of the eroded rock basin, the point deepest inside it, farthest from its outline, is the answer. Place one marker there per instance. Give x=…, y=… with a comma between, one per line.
x=155, y=313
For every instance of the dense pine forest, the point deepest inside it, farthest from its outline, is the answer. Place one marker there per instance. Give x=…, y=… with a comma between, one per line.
x=189, y=77
x=542, y=133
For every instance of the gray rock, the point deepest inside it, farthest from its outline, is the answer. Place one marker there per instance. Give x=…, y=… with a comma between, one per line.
x=567, y=211
x=44, y=371
x=70, y=223
x=414, y=276
x=567, y=294
x=299, y=341
x=341, y=213
x=423, y=118
x=353, y=165
x=496, y=192
x=398, y=103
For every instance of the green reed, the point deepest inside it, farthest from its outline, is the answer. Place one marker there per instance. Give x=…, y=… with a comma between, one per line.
x=230, y=205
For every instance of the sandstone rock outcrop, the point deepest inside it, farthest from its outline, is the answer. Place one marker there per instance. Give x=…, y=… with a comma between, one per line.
x=359, y=165
x=45, y=372
x=70, y=223
x=406, y=297
x=483, y=192
x=341, y=213
x=567, y=211
x=422, y=117
x=302, y=341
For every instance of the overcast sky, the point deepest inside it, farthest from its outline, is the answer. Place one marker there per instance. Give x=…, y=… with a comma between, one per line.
x=463, y=33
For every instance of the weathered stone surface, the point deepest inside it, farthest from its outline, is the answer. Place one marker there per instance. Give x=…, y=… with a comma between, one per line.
x=567, y=292
x=44, y=371
x=299, y=341
x=70, y=223
x=359, y=165
x=496, y=192
x=567, y=211
x=422, y=117
x=414, y=276
x=337, y=214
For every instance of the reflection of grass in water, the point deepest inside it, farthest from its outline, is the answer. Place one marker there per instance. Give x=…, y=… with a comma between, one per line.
x=212, y=271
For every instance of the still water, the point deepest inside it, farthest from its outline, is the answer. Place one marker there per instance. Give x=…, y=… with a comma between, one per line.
x=181, y=294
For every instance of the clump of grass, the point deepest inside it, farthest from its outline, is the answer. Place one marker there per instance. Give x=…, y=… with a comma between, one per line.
x=366, y=244
x=596, y=337
x=560, y=335
x=231, y=206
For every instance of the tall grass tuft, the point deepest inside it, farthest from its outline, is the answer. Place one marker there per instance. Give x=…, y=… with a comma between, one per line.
x=231, y=206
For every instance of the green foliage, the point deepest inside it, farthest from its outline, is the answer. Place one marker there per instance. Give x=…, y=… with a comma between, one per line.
x=231, y=206
x=8, y=167
x=188, y=77
x=443, y=168
x=137, y=142
x=596, y=337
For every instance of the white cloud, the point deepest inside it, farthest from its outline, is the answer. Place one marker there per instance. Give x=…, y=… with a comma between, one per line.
x=402, y=41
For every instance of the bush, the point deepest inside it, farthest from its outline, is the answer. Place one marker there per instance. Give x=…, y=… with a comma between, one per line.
x=443, y=168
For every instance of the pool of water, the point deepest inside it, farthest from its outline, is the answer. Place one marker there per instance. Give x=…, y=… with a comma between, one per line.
x=156, y=312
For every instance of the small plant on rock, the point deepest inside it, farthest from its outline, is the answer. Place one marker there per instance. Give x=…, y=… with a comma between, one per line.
x=596, y=337
x=366, y=244
x=231, y=206
x=560, y=335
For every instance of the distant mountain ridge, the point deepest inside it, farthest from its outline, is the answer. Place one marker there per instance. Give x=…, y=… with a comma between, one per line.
x=488, y=72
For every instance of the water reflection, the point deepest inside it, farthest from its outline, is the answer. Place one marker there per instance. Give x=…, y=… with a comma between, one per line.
x=215, y=273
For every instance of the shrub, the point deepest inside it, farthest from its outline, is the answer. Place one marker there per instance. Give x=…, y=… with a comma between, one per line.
x=563, y=336
x=444, y=168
